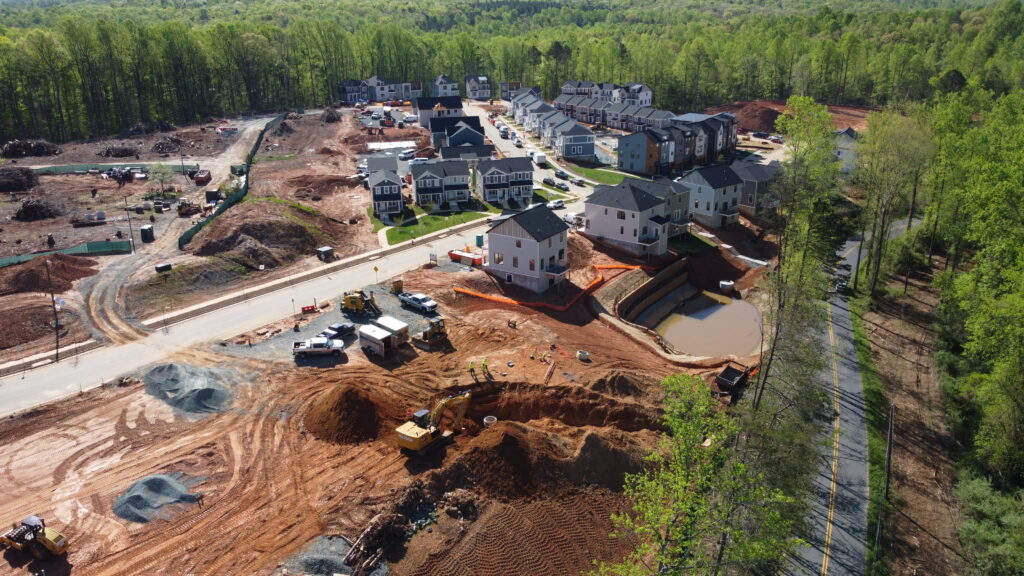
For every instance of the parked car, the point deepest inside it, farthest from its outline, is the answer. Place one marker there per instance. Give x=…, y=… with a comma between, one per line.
x=375, y=116
x=407, y=154
x=775, y=139
x=342, y=329
x=416, y=161
x=518, y=143
x=578, y=181
x=549, y=181
x=562, y=186
x=760, y=134
x=562, y=174
x=556, y=204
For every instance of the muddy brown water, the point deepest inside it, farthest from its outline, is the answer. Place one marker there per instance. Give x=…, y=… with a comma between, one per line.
x=702, y=326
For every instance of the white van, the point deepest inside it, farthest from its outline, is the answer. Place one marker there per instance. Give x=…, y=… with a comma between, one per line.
x=540, y=159
x=406, y=154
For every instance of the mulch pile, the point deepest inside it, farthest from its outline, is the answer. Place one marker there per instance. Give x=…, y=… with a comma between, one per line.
x=39, y=208
x=118, y=151
x=753, y=116
x=283, y=129
x=17, y=179
x=141, y=128
x=167, y=145
x=31, y=276
x=23, y=148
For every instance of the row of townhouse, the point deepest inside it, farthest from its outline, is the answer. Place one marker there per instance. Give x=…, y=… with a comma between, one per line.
x=563, y=134
x=620, y=116
x=630, y=94
x=687, y=140
x=376, y=89
x=449, y=182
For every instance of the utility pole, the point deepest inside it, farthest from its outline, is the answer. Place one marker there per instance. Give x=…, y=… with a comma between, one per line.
x=56, y=323
x=131, y=235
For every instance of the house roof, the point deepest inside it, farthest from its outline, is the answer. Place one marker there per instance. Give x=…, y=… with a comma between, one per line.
x=607, y=86
x=444, y=79
x=518, y=164
x=578, y=83
x=693, y=117
x=535, y=90
x=617, y=108
x=460, y=126
x=540, y=222
x=573, y=128
x=634, y=111
x=624, y=196
x=656, y=114
x=378, y=163
x=562, y=99
x=440, y=169
x=467, y=152
x=442, y=124
x=750, y=172
x=374, y=79
x=660, y=188
x=428, y=102
x=383, y=177
x=636, y=88
x=541, y=107
x=478, y=78
x=523, y=96
x=848, y=131
x=718, y=176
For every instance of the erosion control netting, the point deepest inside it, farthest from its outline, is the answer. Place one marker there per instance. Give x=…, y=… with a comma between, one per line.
x=348, y=415
x=191, y=389
x=324, y=556
x=31, y=276
x=153, y=497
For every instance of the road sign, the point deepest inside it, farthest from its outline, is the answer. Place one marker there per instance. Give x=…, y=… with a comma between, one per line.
x=433, y=257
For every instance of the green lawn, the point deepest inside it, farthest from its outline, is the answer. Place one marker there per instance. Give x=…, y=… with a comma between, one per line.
x=595, y=174
x=690, y=244
x=377, y=224
x=546, y=194
x=424, y=224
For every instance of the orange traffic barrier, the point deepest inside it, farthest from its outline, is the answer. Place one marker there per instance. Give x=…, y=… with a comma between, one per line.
x=622, y=267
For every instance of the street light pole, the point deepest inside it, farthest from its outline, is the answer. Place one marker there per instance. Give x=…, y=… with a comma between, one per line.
x=56, y=323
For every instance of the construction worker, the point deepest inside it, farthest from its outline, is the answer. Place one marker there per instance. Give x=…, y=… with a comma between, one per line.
x=483, y=368
x=472, y=370
x=199, y=499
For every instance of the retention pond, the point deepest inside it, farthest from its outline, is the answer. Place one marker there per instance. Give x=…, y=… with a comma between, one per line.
x=712, y=326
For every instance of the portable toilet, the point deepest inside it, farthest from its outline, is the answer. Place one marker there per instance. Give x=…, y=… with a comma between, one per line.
x=375, y=340
x=479, y=240
x=146, y=232
x=399, y=330
x=397, y=286
x=325, y=254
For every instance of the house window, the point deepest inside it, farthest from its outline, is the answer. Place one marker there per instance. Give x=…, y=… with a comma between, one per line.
x=499, y=257
x=634, y=232
x=533, y=265
x=696, y=204
x=622, y=230
x=605, y=211
x=519, y=243
x=733, y=201
x=508, y=278
x=515, y=261
x=561, y=254
x=549, y=242
x=707, y=206
x=621, y=215
x=644, y=231
x=542, y=264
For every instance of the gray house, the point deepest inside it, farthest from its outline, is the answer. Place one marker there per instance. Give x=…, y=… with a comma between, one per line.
x=386, y=192
x=756, y=178
x=444, y=86
x=478, y=87
x=441, y=184
x=505, y=179
x=455, y=130
x=574, y=140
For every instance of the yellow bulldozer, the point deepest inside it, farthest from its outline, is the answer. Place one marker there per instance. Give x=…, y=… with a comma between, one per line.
x=423, y=433
x=358, y=302
x=33, y=535
x=435, y=336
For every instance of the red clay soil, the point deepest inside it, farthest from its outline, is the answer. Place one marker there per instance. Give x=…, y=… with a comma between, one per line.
x=760, y=115
x=708, y=268
x=349, y=415
x=31, y=276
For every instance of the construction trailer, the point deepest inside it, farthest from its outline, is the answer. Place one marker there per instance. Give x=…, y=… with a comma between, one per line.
x=375, y=340
x=399, y=330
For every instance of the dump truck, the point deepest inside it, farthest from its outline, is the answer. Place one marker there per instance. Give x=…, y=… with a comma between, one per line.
x=33, y=535
x=418, y=301
x=318, y=346
x=358, y=302
x=423, y=433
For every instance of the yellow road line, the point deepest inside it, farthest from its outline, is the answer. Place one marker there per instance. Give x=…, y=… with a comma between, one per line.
x=826, y=550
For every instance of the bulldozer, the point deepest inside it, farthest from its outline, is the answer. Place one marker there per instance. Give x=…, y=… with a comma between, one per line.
x=423, y=433
x=186, y=209
x=435, y=336
x=358, y=302
x=33, y=535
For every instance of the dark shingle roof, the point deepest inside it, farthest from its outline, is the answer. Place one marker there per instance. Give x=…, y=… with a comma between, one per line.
x=719, y=176
x=428, y=102
x=540, y=223
x=442, y=124
x=456, y=152
x=624, y=196
x=378, y=163
x=441, y=169
x=444, y=79
x=384, y=177
x=573, y=128
x=518, y=164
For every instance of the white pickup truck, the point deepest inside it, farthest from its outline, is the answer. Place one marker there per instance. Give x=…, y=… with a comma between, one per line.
x=319, y=346
x=418, y=301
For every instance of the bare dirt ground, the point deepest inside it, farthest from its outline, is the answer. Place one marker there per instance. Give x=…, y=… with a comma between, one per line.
x=306, y=451
x=759, y=115
x=920, y=537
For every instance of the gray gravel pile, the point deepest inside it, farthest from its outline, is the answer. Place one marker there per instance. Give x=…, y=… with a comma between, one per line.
x=149, y=497
x=324, y=556
x=188, y=388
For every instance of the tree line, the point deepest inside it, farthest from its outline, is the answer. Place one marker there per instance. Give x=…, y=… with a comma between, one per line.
x=92, y=74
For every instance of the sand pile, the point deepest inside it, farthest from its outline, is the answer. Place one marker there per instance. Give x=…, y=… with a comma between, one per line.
x=235, y=237
x=31, y=276
x=148, y=498
x=621, y=384
x=346, y=414
x=191, y=389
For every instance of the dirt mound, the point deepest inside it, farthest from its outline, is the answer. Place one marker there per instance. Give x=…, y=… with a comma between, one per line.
x=167, y=145
x=24, y=148
x=191, y=389
x=31, y=276
x=330, y=116
x=283, y=129
x=266, y=240
x=141, y=128
x=322, y=184
x=118, y=152
x=348, y=415
x=39, y=208
x=621, y=384
x=17, y=179
x=755, y=116
x=147, y=498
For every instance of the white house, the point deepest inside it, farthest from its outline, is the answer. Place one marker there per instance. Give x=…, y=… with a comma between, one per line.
x=529, y=249
x=505, y=179
x=632, y=218
x=445, y=86
x=428, y=107
x=478, y=87
x=715, y=193
x=846, y=141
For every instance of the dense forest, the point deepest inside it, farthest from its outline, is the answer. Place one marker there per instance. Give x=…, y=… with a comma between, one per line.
x=85, y=69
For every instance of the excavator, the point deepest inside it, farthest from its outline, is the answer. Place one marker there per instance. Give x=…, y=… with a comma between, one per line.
x=358, y=302
x=423, y=433
x=35, y=536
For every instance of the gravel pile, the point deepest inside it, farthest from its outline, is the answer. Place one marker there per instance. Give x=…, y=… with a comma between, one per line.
x=149, y=498
x=191, y=389
x=324, y=556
